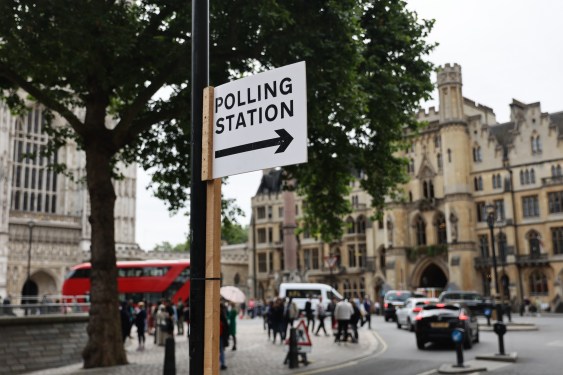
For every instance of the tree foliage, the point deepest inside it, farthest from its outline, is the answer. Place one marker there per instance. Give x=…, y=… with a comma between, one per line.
x=117, y=72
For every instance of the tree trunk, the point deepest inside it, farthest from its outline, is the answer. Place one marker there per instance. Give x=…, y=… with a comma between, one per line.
x=105, y=345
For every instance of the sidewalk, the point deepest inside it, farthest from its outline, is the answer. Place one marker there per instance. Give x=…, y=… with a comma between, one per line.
x=255, y=354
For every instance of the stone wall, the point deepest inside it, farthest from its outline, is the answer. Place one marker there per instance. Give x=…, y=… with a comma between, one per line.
x=39, y=342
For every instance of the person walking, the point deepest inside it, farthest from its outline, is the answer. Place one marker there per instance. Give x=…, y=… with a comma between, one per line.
x=330, y=310
x=180, y=315
x=125, y=321
x=342, y=313
x=321, y=315
x=355, y=319
x=367, y=307
x=140, y=323
x=277, y=319
x=223, y=335
x=291, y=313
x=232, y=315
x=309, y=314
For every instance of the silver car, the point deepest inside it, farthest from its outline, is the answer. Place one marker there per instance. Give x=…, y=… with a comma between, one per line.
x=407, y=313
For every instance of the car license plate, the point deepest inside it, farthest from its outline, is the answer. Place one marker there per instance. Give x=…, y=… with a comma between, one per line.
x=439, y=324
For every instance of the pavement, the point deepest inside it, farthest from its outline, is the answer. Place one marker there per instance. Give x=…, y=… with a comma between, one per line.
x=255, y=354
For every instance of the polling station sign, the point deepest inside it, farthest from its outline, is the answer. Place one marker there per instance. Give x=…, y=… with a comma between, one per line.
x=260, y=121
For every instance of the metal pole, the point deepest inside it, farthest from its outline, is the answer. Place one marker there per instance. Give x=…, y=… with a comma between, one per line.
x=491, y=222
x=26, y=293
x=254, y=279
x=198, y=194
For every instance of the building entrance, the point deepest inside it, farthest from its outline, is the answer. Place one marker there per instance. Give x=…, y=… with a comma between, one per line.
x=433, y=277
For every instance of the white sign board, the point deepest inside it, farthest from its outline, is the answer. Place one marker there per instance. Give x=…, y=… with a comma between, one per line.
x=260, y=121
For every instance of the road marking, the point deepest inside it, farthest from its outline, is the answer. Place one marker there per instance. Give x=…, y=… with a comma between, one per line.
x=430, y=372
x=558, y=343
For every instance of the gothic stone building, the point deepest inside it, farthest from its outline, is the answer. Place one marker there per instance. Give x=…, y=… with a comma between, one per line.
x=43, y=215
x=437, y=235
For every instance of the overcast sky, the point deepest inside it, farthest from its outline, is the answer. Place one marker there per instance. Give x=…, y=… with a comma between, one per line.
x=508, y=49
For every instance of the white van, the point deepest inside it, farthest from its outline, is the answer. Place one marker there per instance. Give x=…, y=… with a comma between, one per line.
x=301, y=291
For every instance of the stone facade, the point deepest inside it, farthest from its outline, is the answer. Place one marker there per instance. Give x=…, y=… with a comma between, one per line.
x=43, y=215
x=437, y=235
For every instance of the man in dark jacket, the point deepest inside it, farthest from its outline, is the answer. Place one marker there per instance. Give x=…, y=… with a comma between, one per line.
x=309, y=314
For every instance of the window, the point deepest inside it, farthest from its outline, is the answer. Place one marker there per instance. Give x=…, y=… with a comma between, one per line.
x=439, y=161
x=477, y=154
x=296, y=210
x=411, y=166
x=262, y=262
x=280, y=212
x=307, y=259
x=449, y=155
x=555, y=171
x=502, y=246
x=315, y=263
x=499, y=209
x=270, y=261
x=261, y=235
x=497, y=181
x=437, y=141
x=481, y=211
x=420, y=231
x=261, y=212
x=350, y=225
x=530, y=206
x=362, y=252
x=534, y=243
x=352, y=256
x=478, y=181
x=555, y=202
x=270, y=235
x=527, y=176
x=484, y=246
x=441, y=234
x=538, y=283
x=536, y=144
x=557, y=238
x=361, y=225
x=428, y=189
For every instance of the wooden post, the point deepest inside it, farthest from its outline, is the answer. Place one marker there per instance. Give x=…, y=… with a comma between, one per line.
x=212, y=240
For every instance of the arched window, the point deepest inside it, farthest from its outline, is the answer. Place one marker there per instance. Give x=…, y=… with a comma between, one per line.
x=521, y=177
x=441, y=234
x=350, y=225
x=502, y=247
x=534, y=243
x=431, y=186
x=526, y=176
x=532, y=176
x=361, y=225
x=439, y=161
x=425, y=189
x=538, y=283
x=382, y=259
x=352, y=256
x=477, y=154
x=411, y=166
x=237, y=279
x=420, y=231
x=410, y=196
x=449, y=155
x=558, y=170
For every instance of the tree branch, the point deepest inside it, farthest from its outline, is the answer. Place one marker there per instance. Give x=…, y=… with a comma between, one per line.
x=43, y=98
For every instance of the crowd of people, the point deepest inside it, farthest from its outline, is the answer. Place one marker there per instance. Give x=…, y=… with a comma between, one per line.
x=345, y=317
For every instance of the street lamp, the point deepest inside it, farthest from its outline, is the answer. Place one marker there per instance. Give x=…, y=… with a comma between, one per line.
x=491, y=217
x=27, y=285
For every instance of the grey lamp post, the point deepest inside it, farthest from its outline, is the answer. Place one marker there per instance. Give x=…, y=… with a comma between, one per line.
x=491, y=216
x=30, y=225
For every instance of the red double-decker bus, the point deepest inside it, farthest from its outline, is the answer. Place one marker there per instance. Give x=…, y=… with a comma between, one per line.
x=149, y=280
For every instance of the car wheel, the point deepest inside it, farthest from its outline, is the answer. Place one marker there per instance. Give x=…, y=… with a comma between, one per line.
x=398, y=324
x=468, y=343
x=410, y=326
x=420, y=343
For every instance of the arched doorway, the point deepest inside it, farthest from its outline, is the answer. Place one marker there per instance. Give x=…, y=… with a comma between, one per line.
x=433, y=277
x=30, y=292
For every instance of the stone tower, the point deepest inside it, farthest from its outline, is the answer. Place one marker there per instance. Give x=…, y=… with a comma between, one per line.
x=458, y=201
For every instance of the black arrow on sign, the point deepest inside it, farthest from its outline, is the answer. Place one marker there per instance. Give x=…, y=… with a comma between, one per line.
x=283, y=141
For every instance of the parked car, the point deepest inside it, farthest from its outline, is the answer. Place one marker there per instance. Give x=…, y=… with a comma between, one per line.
x=406, y=315
x=393, y=300
x=473, y=300
x=435, y=323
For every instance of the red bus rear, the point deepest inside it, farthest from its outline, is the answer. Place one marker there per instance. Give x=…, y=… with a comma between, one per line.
x=150, y=280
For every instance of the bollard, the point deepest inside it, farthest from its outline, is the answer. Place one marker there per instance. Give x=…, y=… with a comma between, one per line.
x=457, y=337
x=500, y=330
x=169, y=357
x=292, y=355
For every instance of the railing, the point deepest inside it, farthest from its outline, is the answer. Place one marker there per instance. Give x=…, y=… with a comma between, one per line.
x=532, y=260
x=554, y=180
x=25, y=305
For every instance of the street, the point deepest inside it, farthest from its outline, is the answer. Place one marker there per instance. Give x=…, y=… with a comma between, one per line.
x=539, y=352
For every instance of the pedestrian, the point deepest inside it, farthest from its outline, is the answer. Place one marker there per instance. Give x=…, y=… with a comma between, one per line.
x=277, y=320
x=355, y=319
x=291, y=313
x=321, y=315
x=309, y=314
x=342, y=313
x=140, y=323
x=125, y=321
x=251, y=305
x=367, y=307
x=180, y=315
x=330, y=310
x=269, y=322
x=187, y=316
x=242, y=310
x=232, y=314
x=161, y=325
x=377, y=308
x=223, y=335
